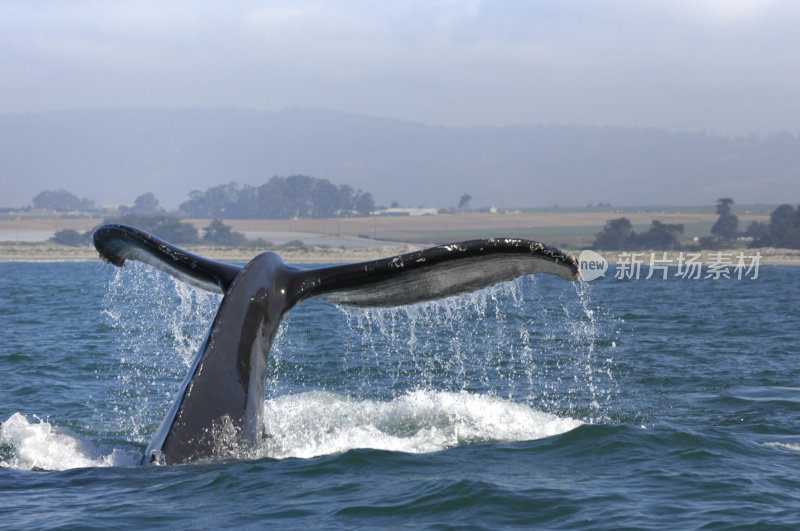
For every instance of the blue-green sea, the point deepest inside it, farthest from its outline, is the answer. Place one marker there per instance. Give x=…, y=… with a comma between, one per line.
x=662, y=404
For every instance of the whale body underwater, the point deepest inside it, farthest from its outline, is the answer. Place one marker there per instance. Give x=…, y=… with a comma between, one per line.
x=218, y=411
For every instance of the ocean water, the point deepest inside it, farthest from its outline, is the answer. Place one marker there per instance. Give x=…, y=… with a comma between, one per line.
x=537, y=403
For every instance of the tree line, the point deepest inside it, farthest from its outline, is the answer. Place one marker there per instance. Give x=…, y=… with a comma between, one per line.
x=61, y=201
x=618, y=234
x=783, y=230
x=296, y=196
x=168, y=228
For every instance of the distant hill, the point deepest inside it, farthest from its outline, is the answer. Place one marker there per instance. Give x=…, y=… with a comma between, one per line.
x=113, y=156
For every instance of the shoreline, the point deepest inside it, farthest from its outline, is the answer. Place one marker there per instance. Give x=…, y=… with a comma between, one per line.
x=315, y=254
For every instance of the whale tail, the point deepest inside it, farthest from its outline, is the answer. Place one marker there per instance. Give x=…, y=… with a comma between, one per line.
x=219, y=407
x=419, y=276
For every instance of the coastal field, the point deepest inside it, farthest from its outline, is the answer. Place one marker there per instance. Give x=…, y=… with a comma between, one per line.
x=355, y=239
x=567, y=229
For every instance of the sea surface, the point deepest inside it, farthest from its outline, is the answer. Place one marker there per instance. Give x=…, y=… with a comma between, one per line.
x=621, y=403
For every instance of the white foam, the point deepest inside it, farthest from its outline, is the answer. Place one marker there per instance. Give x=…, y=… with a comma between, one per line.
x=785, y=446
x=320, y=423
x=313, y=424
x=41, y=446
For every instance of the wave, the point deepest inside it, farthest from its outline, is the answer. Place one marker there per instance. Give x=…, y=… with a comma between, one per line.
x=313, y=424
x=784, y=446
x=39, y=445
x=321, y=423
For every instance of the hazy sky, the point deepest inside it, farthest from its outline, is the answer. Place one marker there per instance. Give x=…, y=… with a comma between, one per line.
x=727, y=66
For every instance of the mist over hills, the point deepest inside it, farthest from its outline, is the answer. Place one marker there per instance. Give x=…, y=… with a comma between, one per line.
x=112, y=156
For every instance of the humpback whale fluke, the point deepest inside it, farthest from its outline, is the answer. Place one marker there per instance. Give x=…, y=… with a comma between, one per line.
x=220, y=404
